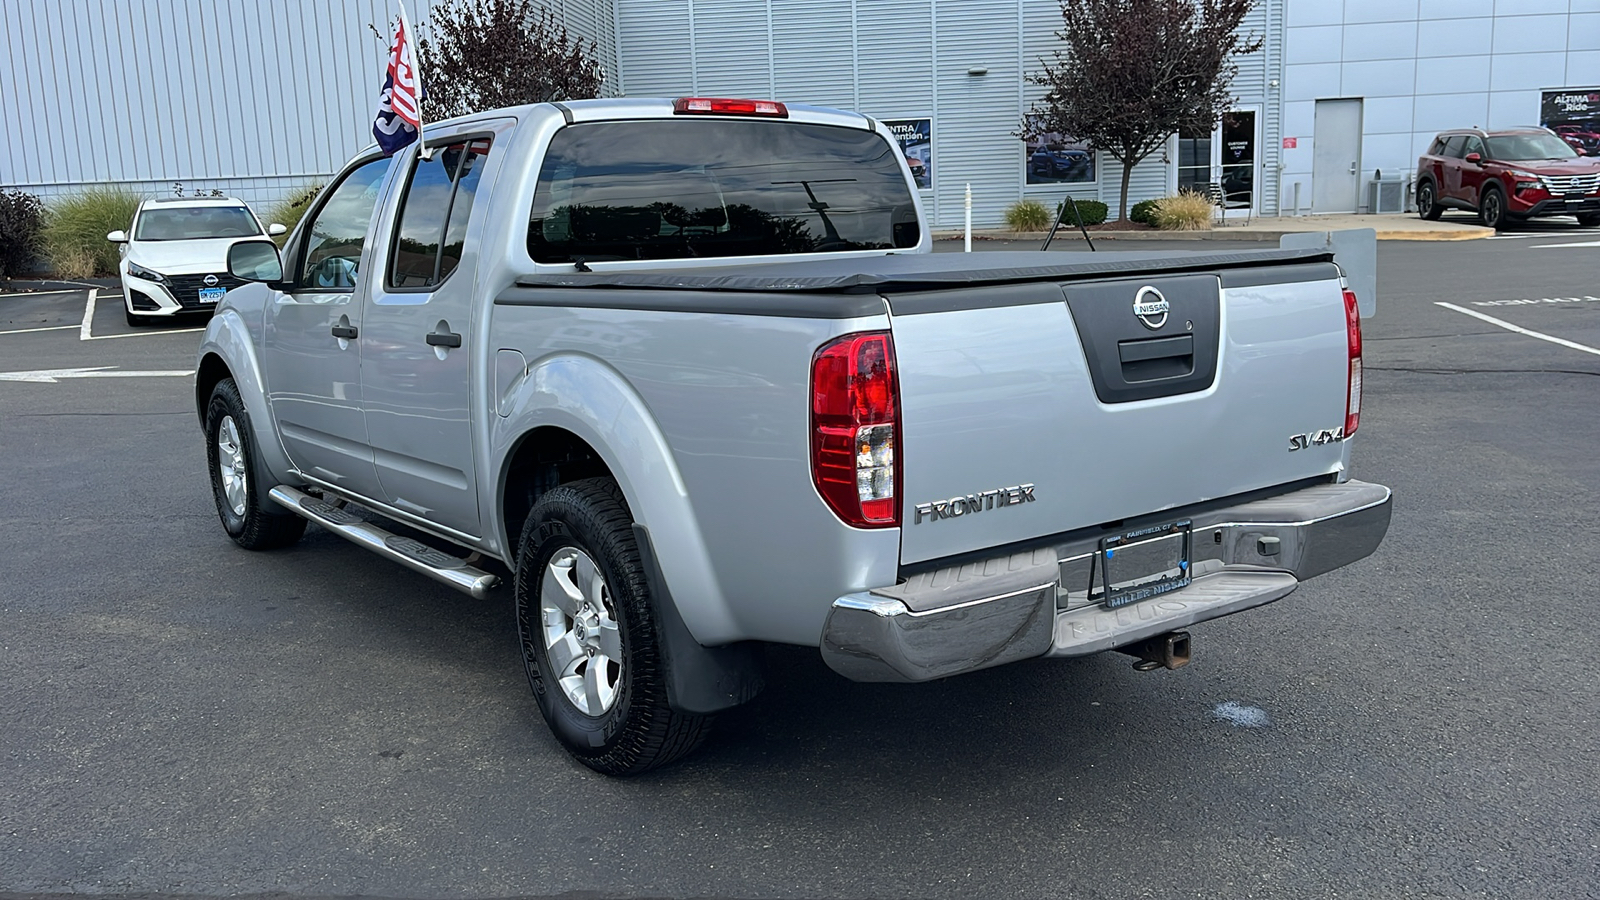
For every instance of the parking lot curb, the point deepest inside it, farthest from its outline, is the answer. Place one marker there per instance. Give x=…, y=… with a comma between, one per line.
x=1228, y=233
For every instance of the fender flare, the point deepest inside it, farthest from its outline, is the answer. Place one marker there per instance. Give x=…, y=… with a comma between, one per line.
x=587, y=397
x=228, y=339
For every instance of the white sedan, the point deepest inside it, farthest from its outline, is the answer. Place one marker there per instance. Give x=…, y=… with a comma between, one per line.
x=175, y=255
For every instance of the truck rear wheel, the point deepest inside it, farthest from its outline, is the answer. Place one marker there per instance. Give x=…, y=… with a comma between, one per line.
x=588, y=634
x=231, y=459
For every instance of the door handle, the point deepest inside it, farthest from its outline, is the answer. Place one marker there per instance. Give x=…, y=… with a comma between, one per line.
x=348, y=332
x=1352, y=168
x=445, y=339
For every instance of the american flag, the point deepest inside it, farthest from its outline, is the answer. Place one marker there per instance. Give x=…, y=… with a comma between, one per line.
x=400, y=102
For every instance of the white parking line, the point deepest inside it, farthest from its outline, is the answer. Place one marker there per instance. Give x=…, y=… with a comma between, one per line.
x=38, y=293
x=32, y=330
x=85, y=333
x=1519, y=329
x=1554, y=246
x=1576, y=232
x=88, y=315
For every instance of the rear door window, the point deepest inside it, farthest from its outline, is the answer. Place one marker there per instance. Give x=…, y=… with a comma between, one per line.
x=702, y=187
x=1456, y=145
x=433, y=215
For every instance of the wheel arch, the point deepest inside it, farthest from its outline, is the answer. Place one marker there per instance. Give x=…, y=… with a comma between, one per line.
x=227, y=351
x=573, y=416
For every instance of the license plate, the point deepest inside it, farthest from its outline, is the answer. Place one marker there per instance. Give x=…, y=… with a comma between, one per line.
x=1146, y=562
x=212, y=295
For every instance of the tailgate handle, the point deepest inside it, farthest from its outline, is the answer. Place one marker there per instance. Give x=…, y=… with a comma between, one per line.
x=1155, y=348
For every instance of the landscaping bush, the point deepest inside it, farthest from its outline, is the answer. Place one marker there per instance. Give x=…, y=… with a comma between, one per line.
x=1187, y=211
x=75, y=229
x=1144, y=212
x=291, y=209
x=1028, y=215
x=21, y=217
x=1093, y=212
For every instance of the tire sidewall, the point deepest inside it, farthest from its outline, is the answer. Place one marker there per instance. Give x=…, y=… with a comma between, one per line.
x=225, y=401
x=1427, y=201
x=1493, y=199
x=550, y=531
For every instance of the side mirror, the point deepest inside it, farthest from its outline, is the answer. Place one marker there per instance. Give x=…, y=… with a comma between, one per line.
x=117, y=237
x=1474, y=158
x=276, y=229
x=255, y=260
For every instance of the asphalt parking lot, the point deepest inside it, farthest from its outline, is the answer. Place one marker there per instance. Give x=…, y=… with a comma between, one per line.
x=181, y=717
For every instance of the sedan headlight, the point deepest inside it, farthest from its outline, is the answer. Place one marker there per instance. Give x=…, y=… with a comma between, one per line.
x=139, y=271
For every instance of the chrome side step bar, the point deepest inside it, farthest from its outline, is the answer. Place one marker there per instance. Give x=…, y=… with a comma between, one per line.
x=408, y=552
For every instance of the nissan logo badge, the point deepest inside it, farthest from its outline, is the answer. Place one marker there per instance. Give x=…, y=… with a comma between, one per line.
x=211, y=281
x=1151, y=307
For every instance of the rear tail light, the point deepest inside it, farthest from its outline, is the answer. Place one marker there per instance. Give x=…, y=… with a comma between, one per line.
x=855, y=410
x=722, y=106
x=1352, y=403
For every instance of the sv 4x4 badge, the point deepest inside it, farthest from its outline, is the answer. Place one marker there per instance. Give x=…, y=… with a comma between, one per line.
x=1315, y=438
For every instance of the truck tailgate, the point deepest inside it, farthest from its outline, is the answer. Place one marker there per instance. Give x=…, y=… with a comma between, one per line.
x=1031, y=409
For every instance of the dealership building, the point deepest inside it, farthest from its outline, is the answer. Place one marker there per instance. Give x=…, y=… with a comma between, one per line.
x=260, y=99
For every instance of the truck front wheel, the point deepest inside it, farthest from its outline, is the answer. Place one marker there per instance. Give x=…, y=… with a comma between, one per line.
x=231, y=458
x=589, y=640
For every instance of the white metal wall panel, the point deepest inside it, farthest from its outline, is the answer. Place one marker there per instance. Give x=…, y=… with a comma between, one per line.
x=813, y=52
x=978, y=115
x=894, y=46
x=253, y=98
x=732, y=48
x=655, y=48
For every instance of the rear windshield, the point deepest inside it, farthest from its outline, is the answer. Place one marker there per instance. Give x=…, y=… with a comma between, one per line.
x=189, y=223
x=689, y=188
x=1529, y=146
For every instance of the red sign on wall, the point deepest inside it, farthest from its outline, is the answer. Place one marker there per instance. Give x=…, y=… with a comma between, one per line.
x=1290, y=143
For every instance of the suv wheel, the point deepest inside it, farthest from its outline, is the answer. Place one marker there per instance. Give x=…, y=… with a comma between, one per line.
x=1427, y=203
x=1492, y=208
x=588, y=634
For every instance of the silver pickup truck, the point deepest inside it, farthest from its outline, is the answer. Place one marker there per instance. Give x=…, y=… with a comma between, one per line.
x=687, y=372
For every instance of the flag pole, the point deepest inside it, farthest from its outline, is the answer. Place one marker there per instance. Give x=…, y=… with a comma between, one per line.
x=423, y=150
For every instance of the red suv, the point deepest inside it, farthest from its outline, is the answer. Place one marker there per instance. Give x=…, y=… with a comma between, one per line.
x=1506, y=176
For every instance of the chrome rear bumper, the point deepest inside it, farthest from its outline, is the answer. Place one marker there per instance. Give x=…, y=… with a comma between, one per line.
x=1036, y=602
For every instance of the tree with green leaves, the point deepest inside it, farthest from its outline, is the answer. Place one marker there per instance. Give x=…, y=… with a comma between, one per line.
x=1131, y=73
x=485, y=54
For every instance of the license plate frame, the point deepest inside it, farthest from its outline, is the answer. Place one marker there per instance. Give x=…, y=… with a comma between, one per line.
x=1137, y=586
x=212, y=294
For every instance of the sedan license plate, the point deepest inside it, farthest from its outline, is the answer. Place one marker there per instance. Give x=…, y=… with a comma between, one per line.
x=1144, y=563
x=212, y=295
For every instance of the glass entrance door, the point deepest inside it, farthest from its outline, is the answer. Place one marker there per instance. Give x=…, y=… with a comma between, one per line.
x=1227, y=156
x=1237, y=149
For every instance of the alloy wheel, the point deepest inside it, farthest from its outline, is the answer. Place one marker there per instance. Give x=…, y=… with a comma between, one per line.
x=579, y=627
x=231, y=465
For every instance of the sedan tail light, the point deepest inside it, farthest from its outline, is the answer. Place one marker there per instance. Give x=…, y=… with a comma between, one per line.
x=1352, y=404
x=855, y=410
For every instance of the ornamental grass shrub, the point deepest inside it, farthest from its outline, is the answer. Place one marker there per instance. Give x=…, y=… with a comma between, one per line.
x=21, y=219
x=1186, y=211
x=291, y=209
x=75, y=229
x=1028, y=215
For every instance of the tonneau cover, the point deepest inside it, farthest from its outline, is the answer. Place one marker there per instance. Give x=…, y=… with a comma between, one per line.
x=923, y=271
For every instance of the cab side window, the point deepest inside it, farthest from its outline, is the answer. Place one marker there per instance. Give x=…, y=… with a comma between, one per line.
x=333, y=242
x=433, y=215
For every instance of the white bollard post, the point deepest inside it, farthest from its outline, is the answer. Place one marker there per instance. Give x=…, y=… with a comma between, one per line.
x=968, y=228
